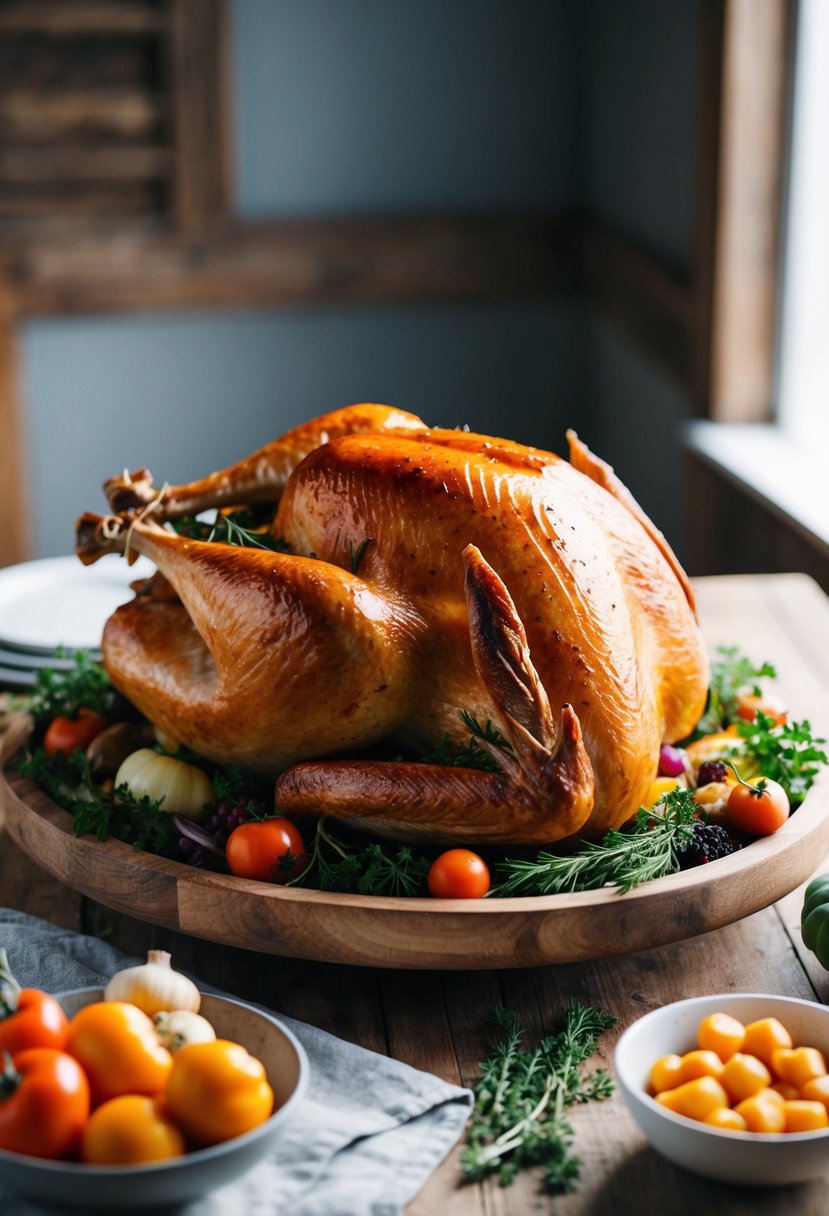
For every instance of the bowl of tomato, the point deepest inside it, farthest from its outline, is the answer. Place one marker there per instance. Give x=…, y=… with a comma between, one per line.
x=203, y=1165
x=734, y=1087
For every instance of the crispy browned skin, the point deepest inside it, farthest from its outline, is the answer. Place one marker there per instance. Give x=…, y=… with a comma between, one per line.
x=499, y=579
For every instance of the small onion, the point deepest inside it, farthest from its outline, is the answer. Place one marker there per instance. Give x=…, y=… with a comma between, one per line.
x=181, y=788
x=671, y=761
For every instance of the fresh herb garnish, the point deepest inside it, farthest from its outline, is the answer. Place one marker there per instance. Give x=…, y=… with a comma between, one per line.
x=355, y=556
x=234, y=528
x=648, y=849
x=370, y=869
x=85, y=683
x=789, y=754
x=470, y=754
x=732, y=675
x=519, y=1120
x=137, y=821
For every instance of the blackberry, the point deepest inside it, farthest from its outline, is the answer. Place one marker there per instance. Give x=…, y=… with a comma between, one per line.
x=711, y=770
x=193, y=854
x=709, y=843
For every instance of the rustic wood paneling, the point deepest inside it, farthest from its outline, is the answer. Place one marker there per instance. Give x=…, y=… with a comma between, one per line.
x=65, y=18
x=297, y=262
x=732, y=530
x=746, y=266
x=15, y=531
x=199, y=101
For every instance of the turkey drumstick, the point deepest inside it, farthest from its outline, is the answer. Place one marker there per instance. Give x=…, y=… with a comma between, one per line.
x=260, y=477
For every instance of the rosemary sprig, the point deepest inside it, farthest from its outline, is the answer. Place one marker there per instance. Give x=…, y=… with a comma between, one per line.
x=234, y=528
x=470, y=754
x=648, y=849
x=355, y=556
x=519, y=1120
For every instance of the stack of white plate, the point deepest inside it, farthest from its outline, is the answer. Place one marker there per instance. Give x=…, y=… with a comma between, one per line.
x=52, y=607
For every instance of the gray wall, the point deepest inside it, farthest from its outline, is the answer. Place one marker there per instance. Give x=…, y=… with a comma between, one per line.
x=402, y=105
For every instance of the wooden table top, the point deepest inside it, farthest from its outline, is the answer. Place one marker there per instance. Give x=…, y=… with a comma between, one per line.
x=438, y=1021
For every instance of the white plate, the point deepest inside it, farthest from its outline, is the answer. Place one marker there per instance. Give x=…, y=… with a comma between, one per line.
x=59, y=602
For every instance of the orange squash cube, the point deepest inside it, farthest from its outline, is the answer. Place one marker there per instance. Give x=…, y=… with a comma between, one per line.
x=699, y=1064
x=723, y=1034
x=816, y=1090
x=798, y=1065
x=762, y=1114
x=726, y=1120
x=805, y=1116
x=743, y=1075
x=695, y=1099
x=665, y=1073
x=764, y=1037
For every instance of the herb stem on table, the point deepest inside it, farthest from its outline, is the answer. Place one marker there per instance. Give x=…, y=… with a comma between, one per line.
x=519, y=1120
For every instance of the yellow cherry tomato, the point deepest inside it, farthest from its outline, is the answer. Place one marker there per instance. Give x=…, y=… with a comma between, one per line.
x=118, y=1049
x=130, y=1130
x=217, y=1091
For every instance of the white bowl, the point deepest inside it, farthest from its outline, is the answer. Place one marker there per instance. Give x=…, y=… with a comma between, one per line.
x=742, y=1157
x=183, y=1178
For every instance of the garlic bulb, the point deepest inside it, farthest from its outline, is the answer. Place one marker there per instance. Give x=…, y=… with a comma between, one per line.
x=154, y=986
x=185, y=789
x=179, y=1027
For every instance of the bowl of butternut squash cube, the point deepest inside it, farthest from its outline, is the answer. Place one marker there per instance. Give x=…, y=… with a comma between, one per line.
x=734, y=1087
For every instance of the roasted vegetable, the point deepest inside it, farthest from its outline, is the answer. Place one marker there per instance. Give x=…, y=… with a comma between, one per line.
x=181, y=789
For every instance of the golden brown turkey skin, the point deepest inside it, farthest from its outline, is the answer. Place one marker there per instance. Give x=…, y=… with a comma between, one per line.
x=497, y=579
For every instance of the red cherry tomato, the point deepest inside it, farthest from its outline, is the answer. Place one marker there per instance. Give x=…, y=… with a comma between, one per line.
x=757, y=810
x=30, y=1018
x=44, y=1104
x=256, y=850
x=66, y=735
x=771, y=706
x=458, y=874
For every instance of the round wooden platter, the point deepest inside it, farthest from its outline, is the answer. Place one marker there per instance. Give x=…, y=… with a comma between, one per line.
x=437, y=934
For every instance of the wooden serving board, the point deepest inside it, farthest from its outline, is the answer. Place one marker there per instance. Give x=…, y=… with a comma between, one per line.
x=434, y=934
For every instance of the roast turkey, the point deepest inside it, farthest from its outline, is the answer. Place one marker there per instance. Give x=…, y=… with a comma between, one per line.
x=427, y=573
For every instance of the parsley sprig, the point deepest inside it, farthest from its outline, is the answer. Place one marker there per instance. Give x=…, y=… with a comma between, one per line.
x=370, y=869
x=137, y=821
x=519, y=1119
x=790, y=754
x=648, y=849
x=55, y=692
x=732, y=675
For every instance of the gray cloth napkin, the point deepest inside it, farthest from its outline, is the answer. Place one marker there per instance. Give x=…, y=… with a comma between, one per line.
x=367, y=1136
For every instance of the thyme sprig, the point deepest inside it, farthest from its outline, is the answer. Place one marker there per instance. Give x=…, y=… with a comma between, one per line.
x=648, y=849
x=519, y=1119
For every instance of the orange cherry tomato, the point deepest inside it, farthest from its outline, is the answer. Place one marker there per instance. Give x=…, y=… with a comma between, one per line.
x=458, y=874
x=65, y=735
x=217, y=1091
x=44, y=1103
x=28, y=1017
x=771, y=706
x=757, y=810
x=130, y=1130
x=257, y=850
x=117, y=1046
